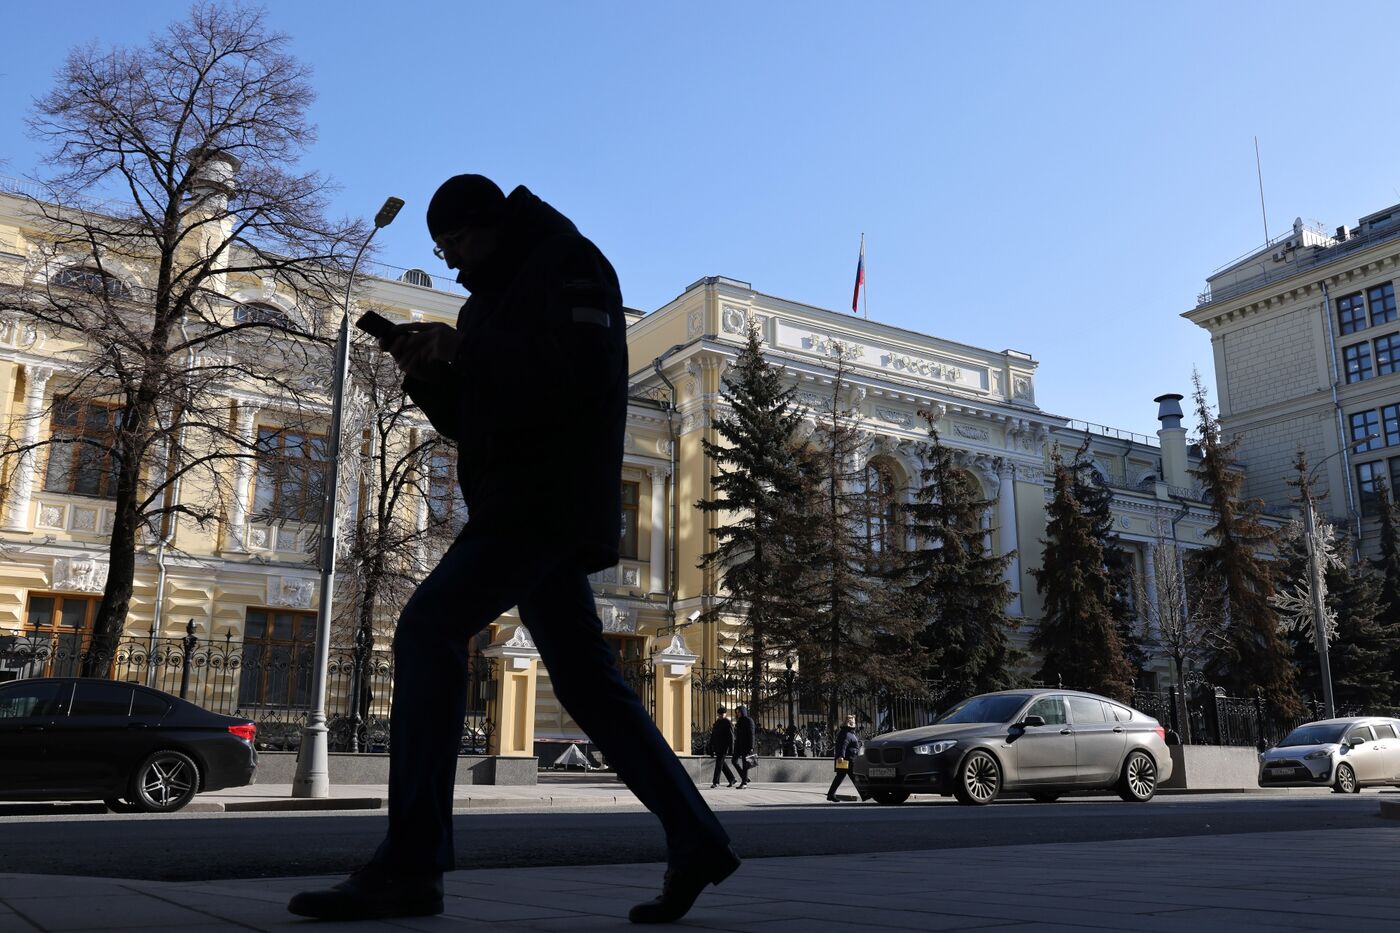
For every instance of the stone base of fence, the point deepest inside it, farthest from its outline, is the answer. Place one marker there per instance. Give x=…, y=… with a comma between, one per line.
x=1213, y=767
x=280, y=767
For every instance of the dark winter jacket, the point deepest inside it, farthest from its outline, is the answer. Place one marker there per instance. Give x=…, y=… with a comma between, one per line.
x=536, y=397
x=743, y=736
x=722, y=738
x=847, y=743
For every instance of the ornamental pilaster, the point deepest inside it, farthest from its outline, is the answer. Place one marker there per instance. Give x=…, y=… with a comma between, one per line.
x=22, y=484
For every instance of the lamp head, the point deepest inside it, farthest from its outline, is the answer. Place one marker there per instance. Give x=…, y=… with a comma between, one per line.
x=388, y=212
x=693, y=616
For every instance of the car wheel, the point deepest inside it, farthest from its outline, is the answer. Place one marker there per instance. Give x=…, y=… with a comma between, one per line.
x=164, y=782
x=1044, y=796
x=1139, y=780
x=118, y=805
x=1346, y=781
x=890, y=797
x=979, y=779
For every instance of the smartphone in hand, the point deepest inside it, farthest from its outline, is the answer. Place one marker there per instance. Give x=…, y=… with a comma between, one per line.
x=377, y=326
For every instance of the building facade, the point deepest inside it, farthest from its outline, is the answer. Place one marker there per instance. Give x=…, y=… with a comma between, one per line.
x=1306, y=342
x=250, y=580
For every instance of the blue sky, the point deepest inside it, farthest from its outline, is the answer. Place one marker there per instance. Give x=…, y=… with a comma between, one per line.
x=1057, y=178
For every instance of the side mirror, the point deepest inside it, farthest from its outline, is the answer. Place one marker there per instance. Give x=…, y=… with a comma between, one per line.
x=1356, y=741
x=1031, y=721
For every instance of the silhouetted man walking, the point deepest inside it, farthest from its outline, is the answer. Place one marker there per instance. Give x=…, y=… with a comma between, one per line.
x=543, y=331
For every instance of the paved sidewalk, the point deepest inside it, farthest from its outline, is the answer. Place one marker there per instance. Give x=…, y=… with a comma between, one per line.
x=1260, y=882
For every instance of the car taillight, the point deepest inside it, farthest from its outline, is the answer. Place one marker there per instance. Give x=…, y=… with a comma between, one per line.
x=248, y=731
x=1161, y=733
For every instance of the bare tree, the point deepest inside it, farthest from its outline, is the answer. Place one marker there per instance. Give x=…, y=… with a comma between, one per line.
x=1177, y=624
x=192, y=140
x=406, y=511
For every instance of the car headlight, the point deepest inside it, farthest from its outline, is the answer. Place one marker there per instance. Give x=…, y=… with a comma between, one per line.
x=934, y=748
x=1320, y=753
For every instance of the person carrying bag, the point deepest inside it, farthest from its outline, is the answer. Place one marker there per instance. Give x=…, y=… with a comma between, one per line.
x=847, y=749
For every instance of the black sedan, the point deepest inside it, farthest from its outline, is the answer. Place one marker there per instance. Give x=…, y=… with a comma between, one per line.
x=130, y=746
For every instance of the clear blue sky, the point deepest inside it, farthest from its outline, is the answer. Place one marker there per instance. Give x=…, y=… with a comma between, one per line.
x=1057, y=178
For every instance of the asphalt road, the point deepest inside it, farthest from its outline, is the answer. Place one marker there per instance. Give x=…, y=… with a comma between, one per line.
x=208, y=846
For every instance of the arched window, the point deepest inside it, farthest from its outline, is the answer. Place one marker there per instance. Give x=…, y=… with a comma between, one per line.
x=879, y=512
x=255, y=312
x=90, y=280
x=417, y=277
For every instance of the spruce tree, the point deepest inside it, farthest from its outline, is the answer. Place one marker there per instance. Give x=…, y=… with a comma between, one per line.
x=1097, y=501
x=758, y=486
x=1360, y=645
x=1387, y=566
x=858, y=630
x=1251, y=655
x=1077, y=637
x=954, y=586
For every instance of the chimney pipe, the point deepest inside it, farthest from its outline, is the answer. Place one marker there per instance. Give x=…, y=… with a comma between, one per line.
x=1173, y=440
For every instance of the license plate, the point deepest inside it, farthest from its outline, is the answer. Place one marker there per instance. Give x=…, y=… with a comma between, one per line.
x=882, y=772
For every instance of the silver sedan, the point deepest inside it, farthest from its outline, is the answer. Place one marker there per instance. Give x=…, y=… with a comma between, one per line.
x=1345, y=754
x=1044, y=742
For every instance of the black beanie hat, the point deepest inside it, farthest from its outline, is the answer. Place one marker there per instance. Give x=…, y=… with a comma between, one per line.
x=461, y=201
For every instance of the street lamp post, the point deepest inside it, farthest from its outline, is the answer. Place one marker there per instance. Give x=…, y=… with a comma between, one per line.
x=1315, y=571
x=313, y=764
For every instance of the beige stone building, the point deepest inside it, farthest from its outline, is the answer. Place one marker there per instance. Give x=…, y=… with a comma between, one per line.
x=252, y=580
x=1306, y=340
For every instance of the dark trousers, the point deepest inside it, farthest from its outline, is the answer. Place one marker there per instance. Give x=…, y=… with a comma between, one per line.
x=741, y=764
x=836, y=781
x=719, y=764
x=480, y=577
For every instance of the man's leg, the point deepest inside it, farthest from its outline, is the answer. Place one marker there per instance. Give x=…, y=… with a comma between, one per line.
x=468, y=589
x=561, y=617
x=741, y=765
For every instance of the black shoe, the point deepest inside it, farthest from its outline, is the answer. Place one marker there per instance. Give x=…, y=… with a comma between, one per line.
x=373, y=893
x=683, y=885
x=731, y=783
x=716, y=784
x=833, y=798
x=743, y=785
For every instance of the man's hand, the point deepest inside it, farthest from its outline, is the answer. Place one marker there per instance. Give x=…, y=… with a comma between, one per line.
x=420, y=348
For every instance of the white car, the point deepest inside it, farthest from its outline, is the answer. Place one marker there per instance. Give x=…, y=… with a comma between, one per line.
x=1345, y=754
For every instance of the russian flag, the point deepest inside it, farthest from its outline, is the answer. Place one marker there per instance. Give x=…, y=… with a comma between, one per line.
x=860, y=276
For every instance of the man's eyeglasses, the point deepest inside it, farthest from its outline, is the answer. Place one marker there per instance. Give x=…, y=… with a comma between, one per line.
x=447, y=238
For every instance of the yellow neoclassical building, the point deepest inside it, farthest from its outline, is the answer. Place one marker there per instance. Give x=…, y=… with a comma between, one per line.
x=246, y=587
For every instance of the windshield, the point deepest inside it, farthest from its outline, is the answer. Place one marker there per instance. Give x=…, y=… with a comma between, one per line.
x=994, y=708
x=1315, y=734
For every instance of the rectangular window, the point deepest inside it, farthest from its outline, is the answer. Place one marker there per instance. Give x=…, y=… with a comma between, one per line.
x=278, y=655
x=1388, y=355
x=1394, y=473
x=1358, y=360
x=83, y=462
x=291, y=475
x=66, y=622
x=1363, y=425
x=1351, y=313
x=1390, y=422
x=631, y=494
x=1382, y=302
x=1368, y=478
x=444, y=498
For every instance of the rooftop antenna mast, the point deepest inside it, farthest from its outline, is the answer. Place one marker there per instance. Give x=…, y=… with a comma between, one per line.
x=1259, y=169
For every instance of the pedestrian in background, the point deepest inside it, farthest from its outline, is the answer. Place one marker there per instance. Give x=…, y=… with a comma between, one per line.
x=722, y=746
x=847, y=749
x=743, y=745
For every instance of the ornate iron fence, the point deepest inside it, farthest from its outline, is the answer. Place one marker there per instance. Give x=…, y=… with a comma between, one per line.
x=269, y=684
x=1205, y=715
x=790, y=712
